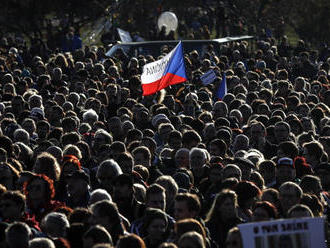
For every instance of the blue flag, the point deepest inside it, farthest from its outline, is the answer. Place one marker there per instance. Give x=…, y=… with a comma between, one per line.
x=222, y=90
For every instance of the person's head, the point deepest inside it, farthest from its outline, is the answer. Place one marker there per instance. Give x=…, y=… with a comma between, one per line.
x=126, y=162
x=191, y=139
x=323, y=172
x=156, y=197
x=80, y=216
x=99, y=195
x=171, y=188
x=257, y=130
x=181, y=158
x=106, y=214
x=313, y=152
x=101, y=137
x=285, y=170
x=21, y=135
x=231, y=170
x=155, y=223
x=12, y=205
x=247, y=194
x=187, y=225
x=282, y=131
x=41, y=242
x=300, y=211
x=164, y=130
x=241, y=142
x=264, y=211
x=234, y=238
x=218, y=147
x=47, y=164
x=267, y=169
x=39, y=188
x=311, y=184
x=142, y=156
x=78, y=184
x=96, y=234
x=186, y=205
x=55, y=225
x=271, y=195
x=130, y=240
x=191, y=240
x=123, y=189
x=107, y=171
x=197, y=158
x=314, y=203
x=18, y=235
x=290, y=195
x=224, y=206
x=246, y=167
x=9, y=175
x=220, y=109
x=287, y=149
x=43, y=128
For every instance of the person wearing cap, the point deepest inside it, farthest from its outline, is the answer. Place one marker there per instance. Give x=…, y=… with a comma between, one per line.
x=78, y=189
x=285, y=171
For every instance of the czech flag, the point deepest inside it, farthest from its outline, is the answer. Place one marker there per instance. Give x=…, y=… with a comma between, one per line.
x=222, y=90
x=162, y=73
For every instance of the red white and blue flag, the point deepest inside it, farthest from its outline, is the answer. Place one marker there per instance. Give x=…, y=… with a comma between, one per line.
x=162, y=73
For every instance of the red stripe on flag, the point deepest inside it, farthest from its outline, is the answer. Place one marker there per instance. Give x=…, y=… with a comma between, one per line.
x=167, y=80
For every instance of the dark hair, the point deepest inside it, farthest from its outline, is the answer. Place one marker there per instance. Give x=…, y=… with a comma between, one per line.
x=268, y=207
x=246, y=190
x=150, y=215
x=98, y=234
x=214, y=215
x=187, y=225
x=130, y=240
x=15, y=196
x=192, y=200
x=289, y=148
x=79, y=215
x=154, y=189
x=108, y=209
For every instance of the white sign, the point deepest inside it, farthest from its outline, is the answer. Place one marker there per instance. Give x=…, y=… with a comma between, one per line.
x=285, y=233
x=208, y=77
x=124, y=35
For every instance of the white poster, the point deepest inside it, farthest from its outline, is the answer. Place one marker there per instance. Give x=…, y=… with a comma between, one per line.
x=285, y=233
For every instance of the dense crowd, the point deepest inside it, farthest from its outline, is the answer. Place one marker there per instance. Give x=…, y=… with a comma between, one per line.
x=87, y=161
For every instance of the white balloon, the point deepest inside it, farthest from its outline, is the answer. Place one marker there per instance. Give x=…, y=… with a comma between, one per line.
x=169, y=20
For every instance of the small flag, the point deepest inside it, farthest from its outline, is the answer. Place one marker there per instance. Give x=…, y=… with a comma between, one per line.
x=162, y=73
x=222, y=90
x=208, y=77
x=124, y=35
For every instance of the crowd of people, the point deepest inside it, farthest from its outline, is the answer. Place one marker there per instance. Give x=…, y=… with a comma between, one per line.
x=89, y=162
